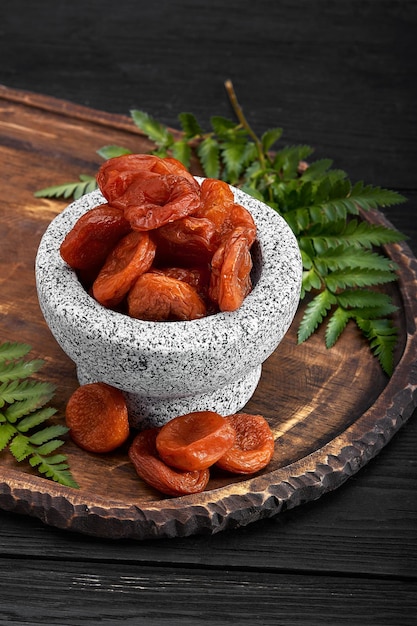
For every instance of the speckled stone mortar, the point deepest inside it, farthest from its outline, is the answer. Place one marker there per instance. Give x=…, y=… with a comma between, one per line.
x=171, y=368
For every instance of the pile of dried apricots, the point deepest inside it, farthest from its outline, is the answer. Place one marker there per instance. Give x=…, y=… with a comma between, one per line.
x=162, y=247
x=175, y=458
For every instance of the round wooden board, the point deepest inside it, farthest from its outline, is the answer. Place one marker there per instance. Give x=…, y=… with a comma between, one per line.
x=331, y=410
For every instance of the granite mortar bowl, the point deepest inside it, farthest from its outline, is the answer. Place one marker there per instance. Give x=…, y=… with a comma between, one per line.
x=172, y=368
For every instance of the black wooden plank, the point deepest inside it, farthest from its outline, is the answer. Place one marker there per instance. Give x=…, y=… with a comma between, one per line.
x=48, y=592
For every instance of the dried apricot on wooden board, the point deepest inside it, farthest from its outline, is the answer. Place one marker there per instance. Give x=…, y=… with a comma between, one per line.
x=132, y=256
x=253, y=447
x=195, y=441
x=97, y=417
x=93, y=236
x=149, y=466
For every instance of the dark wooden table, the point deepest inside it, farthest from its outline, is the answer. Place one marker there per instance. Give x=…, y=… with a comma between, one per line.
x=340, y=77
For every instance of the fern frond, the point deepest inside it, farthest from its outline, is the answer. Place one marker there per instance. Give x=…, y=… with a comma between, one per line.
x=75, y=189
x=6, y=433
x=341, y=258
x=336, y=325
x=370, y=197
x=48, y=433
x=209, y=154
x=158, y=133
x=55, y=468
x=13, y=351
x=36, y=418
x=315, y=312
x=17, y=410
x=14, y=370
x=365, y=298
x=357, y=277
x=24, y=401
x=20, y=447
x=18, y=390
x=382, y=337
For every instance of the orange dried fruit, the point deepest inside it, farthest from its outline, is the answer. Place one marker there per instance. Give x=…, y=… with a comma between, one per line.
x=93, y=236
x=253, y=447
x=149, y=466
x=131, y=257
x=195, y=441
x=155, y=297
x=231, y=265
x=97, y=417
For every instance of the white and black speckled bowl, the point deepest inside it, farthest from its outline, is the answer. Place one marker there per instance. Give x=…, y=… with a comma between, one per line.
x=171, y=368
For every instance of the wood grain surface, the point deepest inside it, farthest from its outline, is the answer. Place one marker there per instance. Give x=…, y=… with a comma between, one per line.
x=326, y=426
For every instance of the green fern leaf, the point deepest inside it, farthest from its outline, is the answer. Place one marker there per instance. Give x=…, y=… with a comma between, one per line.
x=270, y=137
x=20, y=447
x=341, y=258
x=158, y=133
x=48, y=433
x=6, y=433
x=369, y=197
x=35, y=419
x=49, y=446
x=315, y=312
x=362, y=298
x=190, y=126
x=365, y=234
x=311, y=280
x=287, y=159
x=13, y=351
x=55, y=468
x=209, y=154
x=317, y=170
x=233, y=155
x=24, y=402
x=336, y=325
x=182, y=151
x=17, y=410
x=18, y=390
x=66, y=190
x=19, y=369
x=223, y=127
x=372, y=312
x=382, y=336
x=110, y=152
x=357, y=277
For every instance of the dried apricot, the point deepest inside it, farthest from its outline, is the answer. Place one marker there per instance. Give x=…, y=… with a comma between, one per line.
x=97, y=417
x=149, y=466
x=195, y=441
x=197, y=277
x=93, y=236
x=217, y=200
x=153, y=202
x=231, y=265
x=155, y=297
x=239, y=217
x=117, y=174
x=253, y=447
x=187, y=240
x=132, y=256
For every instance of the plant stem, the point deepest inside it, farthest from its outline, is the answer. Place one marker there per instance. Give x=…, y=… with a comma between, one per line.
x=243, y=121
